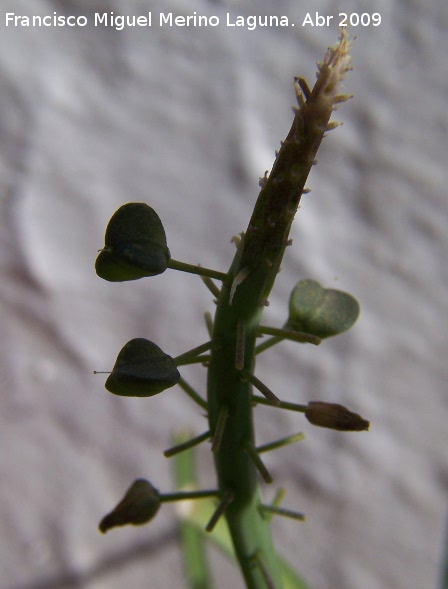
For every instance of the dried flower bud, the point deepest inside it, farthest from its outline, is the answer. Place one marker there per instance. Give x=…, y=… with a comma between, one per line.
x=335, y=416
x=138, y=506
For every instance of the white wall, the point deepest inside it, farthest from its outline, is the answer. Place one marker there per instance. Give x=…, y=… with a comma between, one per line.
x=187, y=119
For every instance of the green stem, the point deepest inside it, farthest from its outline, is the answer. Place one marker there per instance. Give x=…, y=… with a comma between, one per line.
x=186, y=445
x=259, y=464
x=280, y=443
x=271, y=509
x=239, y=310
x=192, y=393
x=272, y=341
x=202, y=359
x=184, y=495
x=197, y=569
x=282, y=405
x=191, y=356
x=236, y=471
x=281, y=334
x=211, y=286
x=295, y=336
x=276, y=502
x=258, y=384
x=199, y=270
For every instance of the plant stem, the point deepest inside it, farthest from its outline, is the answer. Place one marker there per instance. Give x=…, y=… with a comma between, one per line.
x=199, y=270
x=282, y=511
x=236, y=471
x=296, y=336
x=191, y=356
x=280, y=443
x=282, y=405
x=186, y=445
x=184, y=495
x=239, y=310
x=192, y=540
x=192, y=393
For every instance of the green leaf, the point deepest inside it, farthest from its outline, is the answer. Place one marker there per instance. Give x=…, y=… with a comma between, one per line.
x=142, y=369
x=135, y=245
x=321, y=311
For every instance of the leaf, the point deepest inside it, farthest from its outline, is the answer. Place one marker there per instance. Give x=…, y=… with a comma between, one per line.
x=142, y=369
x=321, y=311
x=135, y=245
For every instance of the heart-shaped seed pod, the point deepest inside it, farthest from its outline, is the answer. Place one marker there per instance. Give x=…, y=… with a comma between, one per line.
x=135, y=245
x=142, y=369
x=139, y=505
x=321, y=311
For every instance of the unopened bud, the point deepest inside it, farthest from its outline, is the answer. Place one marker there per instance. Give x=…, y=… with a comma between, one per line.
x=138, y=506
x=335, y=416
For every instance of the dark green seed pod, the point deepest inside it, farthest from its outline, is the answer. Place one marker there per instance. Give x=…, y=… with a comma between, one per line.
x=142, y=369
x=135, y=245
x=139, y=505
x=321, y=311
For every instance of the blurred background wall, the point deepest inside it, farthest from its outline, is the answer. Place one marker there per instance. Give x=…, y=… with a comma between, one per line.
x=187, y=119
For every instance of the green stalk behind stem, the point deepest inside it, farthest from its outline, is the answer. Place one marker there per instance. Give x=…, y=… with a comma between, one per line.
x=197, y=570
x=239, y=310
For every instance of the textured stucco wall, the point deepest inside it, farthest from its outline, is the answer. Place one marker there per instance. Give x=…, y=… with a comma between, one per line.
x=187, y=119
